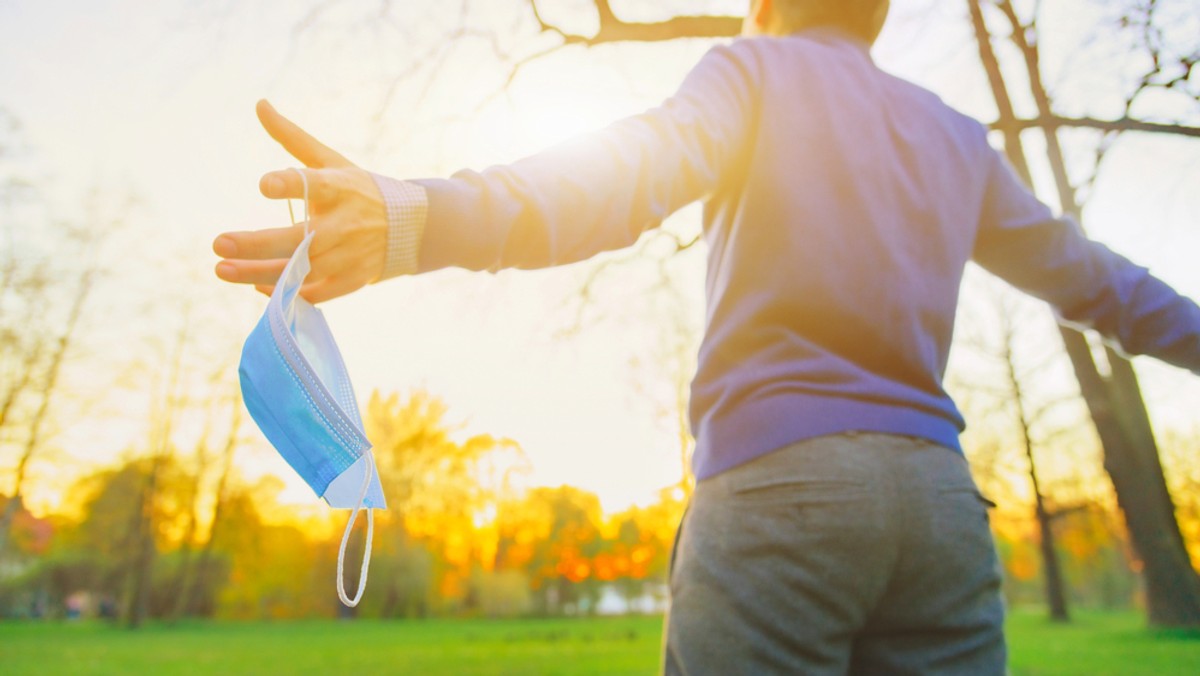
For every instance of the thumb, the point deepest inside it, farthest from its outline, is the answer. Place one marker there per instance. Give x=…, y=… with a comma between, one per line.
x=299, y=143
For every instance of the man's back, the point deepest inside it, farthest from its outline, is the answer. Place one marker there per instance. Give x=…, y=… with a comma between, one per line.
x=838, y=241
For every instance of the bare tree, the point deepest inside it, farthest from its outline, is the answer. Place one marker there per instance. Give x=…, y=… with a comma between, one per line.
x=191, y=495
x=1039, y=417
x=612, y=29
x=1131, y=455
x=141, y=531
x=193, y=577
x=46, y=392
x=37, y=353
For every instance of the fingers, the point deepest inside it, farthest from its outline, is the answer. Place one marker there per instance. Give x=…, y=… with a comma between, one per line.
x=329, y=288
x=259, y=244
x=299, y=143
x=259, y=273
x=264, y=275
x=287, y=184
x=334, y=273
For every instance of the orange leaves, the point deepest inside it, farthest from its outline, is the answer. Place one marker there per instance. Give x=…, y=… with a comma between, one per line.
x=458, y=538
x=574, y=569
x=29, y=534
x=560, y=536
x=1023, y=565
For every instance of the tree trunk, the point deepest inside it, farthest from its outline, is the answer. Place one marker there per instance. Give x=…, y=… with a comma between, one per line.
x=1172, y=585
x=200, y=573
x=11, y=507
x=137, y=581
x=1056, y=597
x=1115, y=403
x=1056, y=593
x=185, y=576
x=139, y=576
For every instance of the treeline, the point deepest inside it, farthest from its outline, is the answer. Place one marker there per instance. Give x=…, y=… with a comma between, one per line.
x=161, y=537
x=173, y=534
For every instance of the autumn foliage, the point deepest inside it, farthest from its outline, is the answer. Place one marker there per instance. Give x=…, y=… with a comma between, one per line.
x=462, y=536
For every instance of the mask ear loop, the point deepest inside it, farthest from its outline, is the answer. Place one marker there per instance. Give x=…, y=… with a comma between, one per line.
x=307, y=220
x=366, y=563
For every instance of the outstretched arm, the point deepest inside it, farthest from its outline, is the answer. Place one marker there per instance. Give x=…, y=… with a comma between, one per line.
x=600, y=191
x=1088, y=284
x=568, y=203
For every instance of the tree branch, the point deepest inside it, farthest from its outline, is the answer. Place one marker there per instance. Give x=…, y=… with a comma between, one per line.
x=1051, y=122
x=613, y=29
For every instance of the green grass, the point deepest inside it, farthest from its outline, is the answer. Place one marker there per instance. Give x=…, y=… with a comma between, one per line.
x=475, y=647
x=1095, y=644
x=1098, y=644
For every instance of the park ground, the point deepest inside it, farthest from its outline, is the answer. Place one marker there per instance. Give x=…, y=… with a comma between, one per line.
x=1095, y=644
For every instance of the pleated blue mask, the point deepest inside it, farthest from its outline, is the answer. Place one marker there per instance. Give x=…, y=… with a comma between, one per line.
x=296, y=388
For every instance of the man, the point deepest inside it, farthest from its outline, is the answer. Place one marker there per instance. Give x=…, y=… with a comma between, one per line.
x=835, y=527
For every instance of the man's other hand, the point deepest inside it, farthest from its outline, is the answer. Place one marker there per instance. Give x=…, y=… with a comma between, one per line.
x=347, y=213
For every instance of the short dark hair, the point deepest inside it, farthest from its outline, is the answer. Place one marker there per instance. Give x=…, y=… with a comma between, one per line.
x=854, y=16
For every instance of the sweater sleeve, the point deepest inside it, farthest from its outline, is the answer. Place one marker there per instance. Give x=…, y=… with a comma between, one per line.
x=1089, y=285
x=407, y=210
x=598, y=192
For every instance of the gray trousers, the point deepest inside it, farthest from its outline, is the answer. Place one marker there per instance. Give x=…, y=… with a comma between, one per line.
x=850, y=554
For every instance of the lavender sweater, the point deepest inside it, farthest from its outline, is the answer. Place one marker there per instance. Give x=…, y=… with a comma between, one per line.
x=841, y=206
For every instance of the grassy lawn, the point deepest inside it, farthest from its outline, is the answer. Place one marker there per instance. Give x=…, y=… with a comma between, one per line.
x=475, y=647
x=1095, y=644
x=1098, y=644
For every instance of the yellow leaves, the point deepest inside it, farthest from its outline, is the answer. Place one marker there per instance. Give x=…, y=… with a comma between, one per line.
x=457, y=548
x=452, y=586
x=276, y=583
x=458, y=537
x=641, y=554
x=1085, y=536
x=424, y=469
x=1023, y=564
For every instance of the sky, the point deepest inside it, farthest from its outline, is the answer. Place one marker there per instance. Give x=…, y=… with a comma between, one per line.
x=156, y=100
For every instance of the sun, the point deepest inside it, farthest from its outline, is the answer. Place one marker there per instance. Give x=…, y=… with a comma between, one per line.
x=545, y=113
x=551, y=118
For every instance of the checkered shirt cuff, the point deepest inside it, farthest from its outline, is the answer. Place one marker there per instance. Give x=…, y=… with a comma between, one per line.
x=407, y=210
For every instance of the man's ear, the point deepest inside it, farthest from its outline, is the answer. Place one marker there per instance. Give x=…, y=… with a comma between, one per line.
x=760, y=15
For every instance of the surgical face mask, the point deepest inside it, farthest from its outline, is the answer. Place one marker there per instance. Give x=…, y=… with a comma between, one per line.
x=297, y=390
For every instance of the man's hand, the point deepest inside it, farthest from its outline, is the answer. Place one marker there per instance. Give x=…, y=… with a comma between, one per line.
x=347, y=213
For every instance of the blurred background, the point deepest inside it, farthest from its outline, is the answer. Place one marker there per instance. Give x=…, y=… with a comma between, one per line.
x=530, y=426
